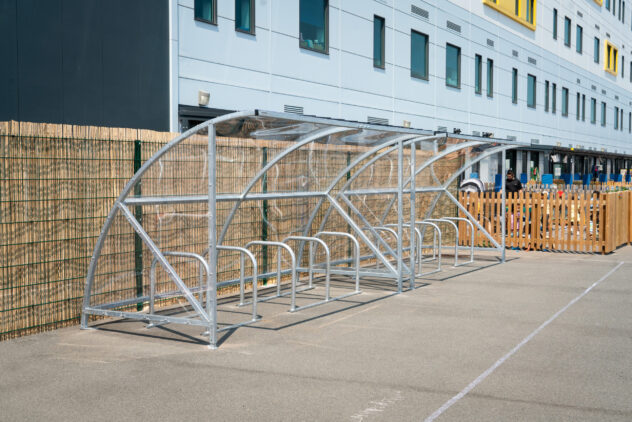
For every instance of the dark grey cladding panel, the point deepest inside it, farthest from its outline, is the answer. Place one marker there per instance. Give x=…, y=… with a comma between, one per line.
x=87, y=62
x=9, y=54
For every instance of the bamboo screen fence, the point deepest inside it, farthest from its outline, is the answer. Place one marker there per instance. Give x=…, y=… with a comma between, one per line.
x=58, y=183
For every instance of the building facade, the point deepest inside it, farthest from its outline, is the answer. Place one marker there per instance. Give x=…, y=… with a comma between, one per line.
x=555, y=73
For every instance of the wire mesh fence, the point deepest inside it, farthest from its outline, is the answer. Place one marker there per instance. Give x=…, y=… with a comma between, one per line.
x=58, y=184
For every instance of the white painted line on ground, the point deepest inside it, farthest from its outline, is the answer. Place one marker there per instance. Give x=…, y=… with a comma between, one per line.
x=500, y=361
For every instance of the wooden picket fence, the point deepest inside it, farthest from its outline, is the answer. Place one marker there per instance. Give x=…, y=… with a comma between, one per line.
x=553, y=221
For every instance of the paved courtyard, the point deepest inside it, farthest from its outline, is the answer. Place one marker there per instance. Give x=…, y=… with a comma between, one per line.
x=544, y=337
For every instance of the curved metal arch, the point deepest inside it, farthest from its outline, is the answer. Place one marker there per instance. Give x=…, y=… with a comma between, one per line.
x=304, y=140
x=126, y=190
x=465, y=166
x=393, y=146
x=419, y=169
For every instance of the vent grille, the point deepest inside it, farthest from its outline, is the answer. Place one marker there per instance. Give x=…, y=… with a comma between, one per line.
x=377, y=120
x=579, y=81
x=442, y=128
x=580, y=14
x=293, y=109
x=511, y=138
x=607, y=35
x=616, y=97
x=490, y=42
x=514, y=53
x=535, y=141
x=603, y=91
x=532, y=61
x=476, y=133
x=593, y=87
x=453, y=26
x=418, y=11
x=597, y=27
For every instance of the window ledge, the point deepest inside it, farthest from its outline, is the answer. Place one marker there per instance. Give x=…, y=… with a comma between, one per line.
x=205, y=21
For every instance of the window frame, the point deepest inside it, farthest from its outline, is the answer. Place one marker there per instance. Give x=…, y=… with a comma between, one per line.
x=611, y=58
x=252, y=18
x=533, y=78
x=382, y=42
x=546, y=95
x=306, y=47
x=213, y=21
x=478, y=74
x=596, y=48
x=553, y=98
x=490, y=78
x=579, y=42
x=593, y=111
x=565, y=98
x=514, y=85
x=413, y=74
x=604, y=111
x=554, y=23
x=568, y=37
x=458, y=65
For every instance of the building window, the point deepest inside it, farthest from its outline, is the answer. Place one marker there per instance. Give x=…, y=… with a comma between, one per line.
x=490, y=78
x=521, y=11
x=621, y=121
x=583, y=107
x=314, y=25
x=378, y=41
x=245, y=16
x=564, y=102
x=608, y=4
x=603, y=113
x=616, y=118
x=567, y=32
x=478, y=70
x=531, y=91
x=630, y=71
x=611, y=58
x=546, y=96
x=514, y=85
x=578, y=104
x=206, y=11
x=623, y=67
x=452, y=66
x=593, y=111
x=418, y=55
x=579, y=43
x=596, y=50
x=554, y=24
x=554, y=99
x=629, y=121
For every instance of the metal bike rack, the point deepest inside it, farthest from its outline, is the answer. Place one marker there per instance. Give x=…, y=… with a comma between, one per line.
x=388, y=230
x=356, y=257
x=437, y=256
x=200, y=290
x=279, y=273
x=418, y=245
x=310, y=270
x=471, y=236
x=456, y=236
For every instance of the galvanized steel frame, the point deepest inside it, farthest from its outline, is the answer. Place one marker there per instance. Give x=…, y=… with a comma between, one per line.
x=402, y=138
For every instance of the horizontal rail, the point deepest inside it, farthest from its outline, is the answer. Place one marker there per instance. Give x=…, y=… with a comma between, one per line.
x=199, y=199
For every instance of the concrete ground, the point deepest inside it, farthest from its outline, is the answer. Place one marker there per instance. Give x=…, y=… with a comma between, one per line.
x=534, y=339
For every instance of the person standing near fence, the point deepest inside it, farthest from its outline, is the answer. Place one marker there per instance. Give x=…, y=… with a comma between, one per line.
x=511, y=183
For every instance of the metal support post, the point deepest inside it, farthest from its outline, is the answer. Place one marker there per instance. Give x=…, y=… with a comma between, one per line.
x=503, y=212
x=211, y=281
x=400, y=214
x=413, y=196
